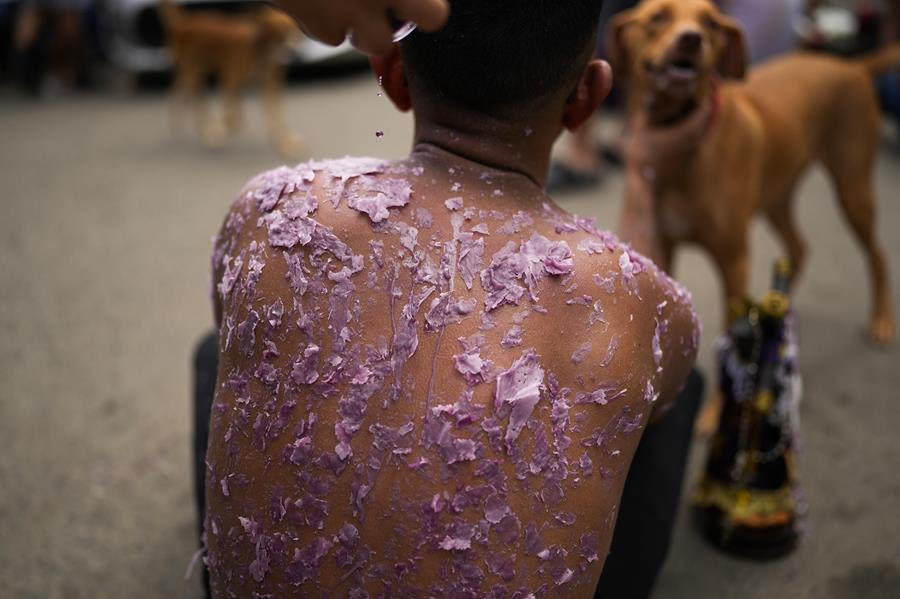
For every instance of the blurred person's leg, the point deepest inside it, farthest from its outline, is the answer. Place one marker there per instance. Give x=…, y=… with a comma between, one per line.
x=206, y=362
x=578, y=162
x=889, y=93
x=30, y=46
x=650, y=500
x=69, y=58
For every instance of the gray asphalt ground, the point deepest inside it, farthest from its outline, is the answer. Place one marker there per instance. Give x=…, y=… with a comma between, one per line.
x=105, y=226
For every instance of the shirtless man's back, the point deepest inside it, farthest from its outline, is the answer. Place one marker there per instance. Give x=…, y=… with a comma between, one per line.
x=432, y=380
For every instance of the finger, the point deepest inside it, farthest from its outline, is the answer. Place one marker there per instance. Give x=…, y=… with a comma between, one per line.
x=371, y=33
x=322, y=21
x=328, y=33
x=429, y=15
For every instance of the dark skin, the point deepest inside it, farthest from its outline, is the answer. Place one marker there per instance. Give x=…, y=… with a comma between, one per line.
x=483, y=156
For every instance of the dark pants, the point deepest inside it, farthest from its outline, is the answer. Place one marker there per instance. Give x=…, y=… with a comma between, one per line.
x=649, y=500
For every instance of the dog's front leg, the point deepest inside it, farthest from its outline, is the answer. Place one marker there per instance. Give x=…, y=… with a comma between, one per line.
x=639, y=224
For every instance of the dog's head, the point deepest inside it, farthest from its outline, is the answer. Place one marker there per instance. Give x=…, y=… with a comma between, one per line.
x=673, y=48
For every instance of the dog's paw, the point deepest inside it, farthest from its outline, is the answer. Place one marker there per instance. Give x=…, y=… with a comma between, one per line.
x=881, y=332
x=289, y=145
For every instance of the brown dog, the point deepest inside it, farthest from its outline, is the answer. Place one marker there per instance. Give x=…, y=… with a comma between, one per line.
x=232, y=49
x=704, y=156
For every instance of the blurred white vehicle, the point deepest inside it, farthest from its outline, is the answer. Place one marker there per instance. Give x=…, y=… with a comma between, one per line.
x=134, y=40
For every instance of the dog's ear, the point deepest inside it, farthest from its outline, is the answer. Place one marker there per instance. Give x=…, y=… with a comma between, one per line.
x=617, y=43
x=732, y=59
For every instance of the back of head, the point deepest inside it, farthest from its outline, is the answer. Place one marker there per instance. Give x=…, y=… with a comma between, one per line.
x=503, y=57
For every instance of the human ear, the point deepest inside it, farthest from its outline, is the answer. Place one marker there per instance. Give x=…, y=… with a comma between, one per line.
x=592, y=89
x=389, y=69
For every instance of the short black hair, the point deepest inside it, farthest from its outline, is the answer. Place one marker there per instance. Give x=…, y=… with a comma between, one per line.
x=501, y=56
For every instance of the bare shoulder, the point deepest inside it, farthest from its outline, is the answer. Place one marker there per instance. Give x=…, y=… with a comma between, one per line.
x=638, y=324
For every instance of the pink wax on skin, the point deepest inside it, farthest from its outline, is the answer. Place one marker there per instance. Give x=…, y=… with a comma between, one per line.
x=432, y=381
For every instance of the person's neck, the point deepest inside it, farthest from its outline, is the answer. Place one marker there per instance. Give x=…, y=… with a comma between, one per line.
x=517, y=147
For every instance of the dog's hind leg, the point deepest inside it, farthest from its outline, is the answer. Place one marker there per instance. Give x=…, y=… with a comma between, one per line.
x=849, y=156
x=854, y=189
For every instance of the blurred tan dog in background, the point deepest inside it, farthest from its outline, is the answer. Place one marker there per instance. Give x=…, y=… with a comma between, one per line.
x=234, y=50
x=704, y=156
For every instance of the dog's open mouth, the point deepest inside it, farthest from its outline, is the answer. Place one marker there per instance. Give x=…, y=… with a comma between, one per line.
x=681, y=69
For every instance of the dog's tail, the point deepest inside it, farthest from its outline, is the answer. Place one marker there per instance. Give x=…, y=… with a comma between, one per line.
x=883, y=60
x=171, y=14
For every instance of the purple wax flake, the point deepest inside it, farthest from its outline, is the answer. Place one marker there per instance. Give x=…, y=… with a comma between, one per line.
x=470, y=365
x=459, y=450
x=600, y=396
x=564, y=577
x=386, y=438
x=471, y=257
x=300, y=207
x=657, y=350
x=558, y=260
x=611, y=350
x=295, y=273
x=590, y=245
x=274, y=313
x=513, y=337
x=499, y=280
x=565, y=518
x=418, y=463
x=349, y=167
x=306, y=561
x=375, y=196
x=551, y=493
x=501, y=565
x=379, y=133
x=495, y=508
x=285, y=232
x=519, y=221
x=267, y=373
x=451, y=544
x=580, y=354
x=607, y=283
x=454, y=204
x=507, y=529
x=299, y=451
x=586, y=465
x=423, y=218
x=650, y=393
x=534, y=545
x=230, y=276
x=303, y=370
x=581, y=300
x=246, y=332
x=519, y=388
x=630, y=266
x=590, y=546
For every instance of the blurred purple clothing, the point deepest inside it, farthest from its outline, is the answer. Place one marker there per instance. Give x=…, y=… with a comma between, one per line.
x=768, y=24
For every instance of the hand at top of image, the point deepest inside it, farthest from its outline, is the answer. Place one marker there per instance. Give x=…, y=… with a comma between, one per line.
x=368, y=22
